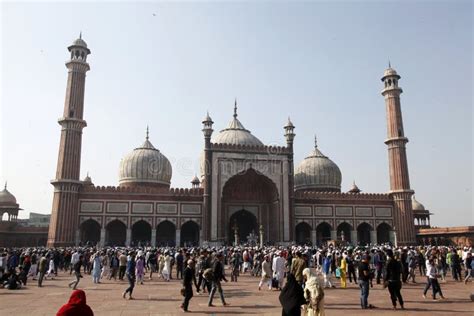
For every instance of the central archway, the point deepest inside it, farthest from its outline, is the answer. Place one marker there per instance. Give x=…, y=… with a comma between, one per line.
x=246, y=224
x=257, y=195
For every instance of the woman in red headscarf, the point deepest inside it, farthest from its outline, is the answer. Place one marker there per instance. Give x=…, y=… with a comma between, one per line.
x=76, y=306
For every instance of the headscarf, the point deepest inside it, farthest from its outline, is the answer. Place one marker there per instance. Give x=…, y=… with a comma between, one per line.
x=291, y=295
x=76, y=306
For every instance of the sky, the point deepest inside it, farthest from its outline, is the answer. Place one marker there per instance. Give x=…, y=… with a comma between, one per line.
x=164, y=64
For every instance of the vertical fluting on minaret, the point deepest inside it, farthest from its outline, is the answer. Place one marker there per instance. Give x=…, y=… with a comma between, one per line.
x=207, y=181
x=64, y=215
x=397, y=158
x=290, y=136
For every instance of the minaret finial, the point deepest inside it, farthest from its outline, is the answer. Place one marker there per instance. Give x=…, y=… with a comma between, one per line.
x=235, y=108
x=147, y=132
x=315, y=141
x=389, y=65
x=5, y=185
x=80, y=35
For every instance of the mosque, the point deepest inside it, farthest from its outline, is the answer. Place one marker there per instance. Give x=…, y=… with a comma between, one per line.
x=245, y=188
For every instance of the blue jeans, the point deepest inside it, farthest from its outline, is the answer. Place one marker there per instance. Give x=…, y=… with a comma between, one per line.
x=364, y=293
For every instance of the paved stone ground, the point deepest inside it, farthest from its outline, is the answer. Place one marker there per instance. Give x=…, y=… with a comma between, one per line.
x=157, y=297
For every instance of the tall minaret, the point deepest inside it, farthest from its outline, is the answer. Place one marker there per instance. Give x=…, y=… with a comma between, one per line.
x=64, y=215
x=397, y=158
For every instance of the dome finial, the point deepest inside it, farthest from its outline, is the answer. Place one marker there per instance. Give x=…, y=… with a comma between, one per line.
x=5, y=185
x=389, y=65
x=315, y=141
x=80, y=35
x=235, y=108
x=147, y=132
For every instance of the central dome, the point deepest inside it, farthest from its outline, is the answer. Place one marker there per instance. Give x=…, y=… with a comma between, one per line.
x=236, y=134
x=318, y=173
x=145, y=166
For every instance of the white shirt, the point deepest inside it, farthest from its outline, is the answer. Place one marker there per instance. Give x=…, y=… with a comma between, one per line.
x=278, y=264
x=430, y=270
x=75, y=258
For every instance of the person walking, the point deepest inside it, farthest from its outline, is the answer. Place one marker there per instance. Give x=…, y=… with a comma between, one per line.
x=278, y=268
x=96, y=267
x=105, y=261
x=327, y=271
x=140, y=266
x=343, y=271
x=392, y=279
x=291, y=297
x=297, y=267
x=235, y=263
x=122, y=265
x=432, y=274
x=114, y=266
x=468, y=266
x=266, y=273
x=130, y=272
x=314, y=294
x=364, y=278
x=42, y=266
x=77, y=273
x=218, y=276
x=189, y=277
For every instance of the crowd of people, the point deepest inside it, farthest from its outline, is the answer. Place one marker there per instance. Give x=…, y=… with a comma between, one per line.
x=300, y=273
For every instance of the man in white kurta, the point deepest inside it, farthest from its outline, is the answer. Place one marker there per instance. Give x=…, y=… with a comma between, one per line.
x=278, y=268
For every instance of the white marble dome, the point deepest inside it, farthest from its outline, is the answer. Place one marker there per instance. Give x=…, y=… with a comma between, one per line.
x=318, y=173
x=145, y=165
x=415, y=205
x=236, y=134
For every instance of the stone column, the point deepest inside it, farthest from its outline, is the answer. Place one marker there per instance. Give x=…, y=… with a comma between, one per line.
x=314, y=237
x=373, y=236
x=354, y=237
x=334, y=234
x=153, y=237
x=102, y=237
x=129, y=237
x=178, y=237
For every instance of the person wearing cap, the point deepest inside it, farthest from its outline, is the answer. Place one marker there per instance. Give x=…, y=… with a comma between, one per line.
x=266, y=273
x=297, y=267
x=188, y=279
x=278, y=268
x=218, y=276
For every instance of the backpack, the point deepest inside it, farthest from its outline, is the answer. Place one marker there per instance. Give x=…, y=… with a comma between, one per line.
x=208, y=274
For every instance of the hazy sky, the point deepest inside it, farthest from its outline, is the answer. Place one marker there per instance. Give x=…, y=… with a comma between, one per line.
x=165, y=64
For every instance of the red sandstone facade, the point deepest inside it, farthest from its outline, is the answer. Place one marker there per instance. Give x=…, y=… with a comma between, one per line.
x=245, y=186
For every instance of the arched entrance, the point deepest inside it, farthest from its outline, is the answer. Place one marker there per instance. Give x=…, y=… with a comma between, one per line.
x=165, y=234
x=115, y=233
x=141, y=233
x=346, y=228
x=250, y=190
x=363, y=234
x=303, y=233
x=323, y=233
x=383, y=233
x=190, y=234
x=246, y=224
x=90, y=232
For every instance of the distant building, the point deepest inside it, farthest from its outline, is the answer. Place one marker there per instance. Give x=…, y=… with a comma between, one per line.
x=14, y=232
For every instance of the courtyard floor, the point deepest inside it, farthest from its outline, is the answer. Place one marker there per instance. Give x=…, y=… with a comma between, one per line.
x=157, y=297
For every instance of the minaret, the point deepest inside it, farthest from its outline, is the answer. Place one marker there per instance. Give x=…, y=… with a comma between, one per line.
x=290, y=137
x=207, y=180
x=397, y=159
x=64, y=215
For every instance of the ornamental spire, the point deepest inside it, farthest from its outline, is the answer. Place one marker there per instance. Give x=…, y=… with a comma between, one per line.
x=315, y=141
x=5, y=186
x=235, y=108
x=147, y=132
